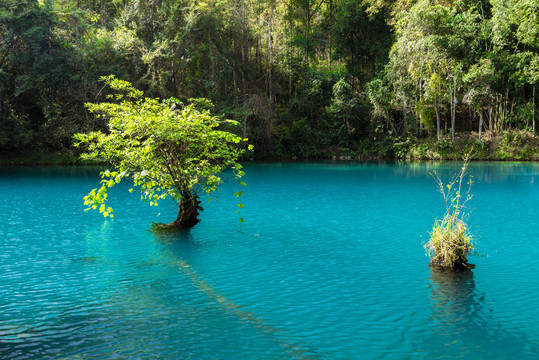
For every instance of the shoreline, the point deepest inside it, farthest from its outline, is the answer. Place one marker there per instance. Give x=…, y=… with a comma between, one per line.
x=516, y=145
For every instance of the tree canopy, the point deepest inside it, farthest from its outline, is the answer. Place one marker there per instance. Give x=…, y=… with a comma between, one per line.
x=165, y=148
x=304, y=78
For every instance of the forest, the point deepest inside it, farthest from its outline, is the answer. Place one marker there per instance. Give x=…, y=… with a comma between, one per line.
x=305, y=79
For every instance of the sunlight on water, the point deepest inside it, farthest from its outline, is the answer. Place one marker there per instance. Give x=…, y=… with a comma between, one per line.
x=329, y=265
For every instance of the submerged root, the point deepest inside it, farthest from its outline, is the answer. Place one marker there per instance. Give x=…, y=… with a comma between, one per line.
x=458, y=265
x=174, y=226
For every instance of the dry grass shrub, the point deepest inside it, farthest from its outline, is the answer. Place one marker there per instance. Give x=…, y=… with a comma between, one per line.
x=450, y=240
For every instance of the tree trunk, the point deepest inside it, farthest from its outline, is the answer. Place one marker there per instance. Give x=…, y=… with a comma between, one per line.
x=490, y=127
x=329, y=33
x=470, y=117
x=437, y=115
x=533, y=111
x=307, y=31
x=418, y=117
x=270, y=70
x=290, y=22
x=480, y=124
x=235, y=86
x=188, y=210
x=452, y=98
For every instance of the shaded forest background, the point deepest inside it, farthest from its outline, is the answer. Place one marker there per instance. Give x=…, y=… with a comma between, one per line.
x=305, y=78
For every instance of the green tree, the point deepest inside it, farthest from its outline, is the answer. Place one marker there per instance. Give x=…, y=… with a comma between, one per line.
x=344, y=115
x=515, y=33
x=361, y=39
x=33, y=67
x=479, y=79
x=167, y=149
x=436, y=44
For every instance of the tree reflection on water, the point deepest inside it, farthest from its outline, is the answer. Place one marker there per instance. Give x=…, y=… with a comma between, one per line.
x=463, y=326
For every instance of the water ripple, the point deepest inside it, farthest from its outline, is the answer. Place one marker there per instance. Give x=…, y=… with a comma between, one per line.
x=329, y=265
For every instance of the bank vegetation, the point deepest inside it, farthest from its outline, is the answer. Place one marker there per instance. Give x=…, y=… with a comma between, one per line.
x=305, y=79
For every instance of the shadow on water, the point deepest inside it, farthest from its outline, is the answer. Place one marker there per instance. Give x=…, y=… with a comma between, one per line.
x=461, y=326
x=174, y=236
x=177, y=243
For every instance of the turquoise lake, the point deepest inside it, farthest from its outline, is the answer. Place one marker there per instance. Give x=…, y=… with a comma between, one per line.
x=329, y=264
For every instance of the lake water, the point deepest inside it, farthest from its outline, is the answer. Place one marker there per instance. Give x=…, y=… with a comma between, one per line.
x=328, y=265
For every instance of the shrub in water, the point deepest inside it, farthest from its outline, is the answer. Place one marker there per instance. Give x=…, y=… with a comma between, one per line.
x=450, y=240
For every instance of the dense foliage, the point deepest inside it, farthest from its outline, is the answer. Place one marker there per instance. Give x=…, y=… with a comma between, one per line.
x=305, y=78
x=165, y=148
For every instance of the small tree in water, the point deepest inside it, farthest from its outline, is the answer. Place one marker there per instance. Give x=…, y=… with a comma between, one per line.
x=450, y=240
x=168, y=150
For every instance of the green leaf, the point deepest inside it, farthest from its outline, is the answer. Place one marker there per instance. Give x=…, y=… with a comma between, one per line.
x=163, y=147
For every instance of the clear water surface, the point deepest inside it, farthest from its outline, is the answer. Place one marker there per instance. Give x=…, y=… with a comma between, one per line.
x=329, y=265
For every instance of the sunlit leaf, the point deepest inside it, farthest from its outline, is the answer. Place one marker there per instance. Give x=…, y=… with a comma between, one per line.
x=164, y=147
